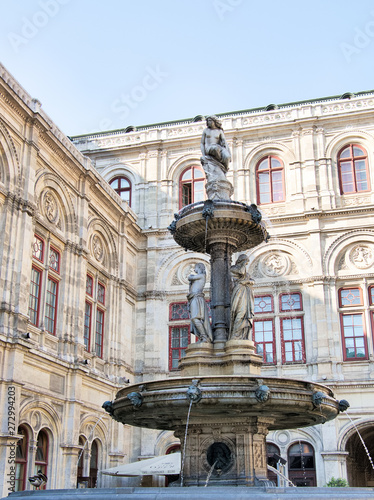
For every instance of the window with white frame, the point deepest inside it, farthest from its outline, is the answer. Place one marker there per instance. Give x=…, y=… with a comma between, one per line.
x=44, y=284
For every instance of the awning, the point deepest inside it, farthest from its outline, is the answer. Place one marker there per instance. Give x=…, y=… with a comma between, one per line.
x=164, y=464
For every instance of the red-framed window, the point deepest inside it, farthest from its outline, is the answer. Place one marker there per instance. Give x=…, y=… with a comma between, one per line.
x=191, y=186
x=354, y=337
x=179, y=311
x=41, y=456
x=89, y=285
x=353, y=169
x=54, y=260
x=38, y=249
x=44, y=284
x=87, y=325
x=301, y=464
x=94, y=315
x=21, y=459
x=352, y=323
x=122, y=186
x=179, y=338
x=263, y=304
x=51, y=305
x=290, y=302
x=99, y=332
x=292, y=340
x=101, y=293
x=350, y=297
x=270, y=180
x=371, y=295
x=34, y=297
x=264, y=339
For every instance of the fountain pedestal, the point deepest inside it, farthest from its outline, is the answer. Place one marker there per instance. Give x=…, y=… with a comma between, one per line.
x=232, y=450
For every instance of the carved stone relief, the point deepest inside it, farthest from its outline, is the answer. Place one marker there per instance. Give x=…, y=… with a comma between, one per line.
x=275, y=264
x=50, y=207
x=180, y=276
x=97, y=247
x=360, y=256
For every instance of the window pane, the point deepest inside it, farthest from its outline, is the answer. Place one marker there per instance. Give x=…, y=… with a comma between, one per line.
x=89, y=285
x=346, y=153
x=198, y=174
x=179, y=311
x=350, y=297
x=263, y=165
x=87, y=325
x=38, y=249
x=263, y=304
x=358, y=151
x=34, y=296
x=187, y=175
x=99, y=333
x=124, y=183
x=114, y=184
x=50, y=306
x=275, y=163
x=54, y=260
x=101, y=293
x=290, y=302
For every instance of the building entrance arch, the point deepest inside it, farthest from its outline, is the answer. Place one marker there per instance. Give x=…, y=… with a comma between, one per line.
x=359, y=469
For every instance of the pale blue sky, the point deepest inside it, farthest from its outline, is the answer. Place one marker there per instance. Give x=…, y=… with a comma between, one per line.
x=99, y=65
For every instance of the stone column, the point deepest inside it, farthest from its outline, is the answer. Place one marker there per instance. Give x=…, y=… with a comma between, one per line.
x=220, y=260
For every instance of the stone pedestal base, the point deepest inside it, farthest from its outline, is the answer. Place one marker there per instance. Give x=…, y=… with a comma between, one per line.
x=232, y=452
x=219, y=190
x=235, y=357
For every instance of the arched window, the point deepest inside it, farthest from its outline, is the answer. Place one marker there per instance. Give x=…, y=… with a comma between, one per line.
x=301, y=464
x=353, y=169
x=93, y=464
x=270, y=180
x=191, y=186
x=21, y=459
x=41, y=458
x=122, y=186
x=80, y=466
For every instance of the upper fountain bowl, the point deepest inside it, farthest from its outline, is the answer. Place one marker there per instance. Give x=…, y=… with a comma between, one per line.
x=196, y=227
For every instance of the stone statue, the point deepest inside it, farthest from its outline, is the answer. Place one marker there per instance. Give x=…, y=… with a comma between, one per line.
x=200, y=324
x=215, y=159
x=242, y=301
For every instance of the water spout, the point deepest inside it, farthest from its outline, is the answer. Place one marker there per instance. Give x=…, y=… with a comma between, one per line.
x=209, y=474
x=185, y=441
x=362, y=441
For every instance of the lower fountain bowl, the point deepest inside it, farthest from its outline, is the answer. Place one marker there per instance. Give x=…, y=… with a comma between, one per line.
x=164, y=404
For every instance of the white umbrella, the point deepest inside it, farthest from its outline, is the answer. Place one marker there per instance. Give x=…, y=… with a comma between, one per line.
x=164, y=464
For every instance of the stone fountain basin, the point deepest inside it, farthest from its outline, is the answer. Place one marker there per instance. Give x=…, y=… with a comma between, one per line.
x=225, y=399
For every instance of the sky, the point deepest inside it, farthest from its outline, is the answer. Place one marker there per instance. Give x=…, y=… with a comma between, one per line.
x=100, y=65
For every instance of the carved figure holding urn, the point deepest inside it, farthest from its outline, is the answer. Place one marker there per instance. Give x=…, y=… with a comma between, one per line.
x=242, y=300
x=198, y=309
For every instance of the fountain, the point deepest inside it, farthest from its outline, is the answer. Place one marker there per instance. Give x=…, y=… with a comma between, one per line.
x=220, y=393
x=220, y=406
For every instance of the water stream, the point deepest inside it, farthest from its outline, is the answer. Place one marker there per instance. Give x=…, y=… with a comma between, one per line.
x=361, y=438
x=89, y=437
x=278, y=473
x=209, y=474
x=185, y=442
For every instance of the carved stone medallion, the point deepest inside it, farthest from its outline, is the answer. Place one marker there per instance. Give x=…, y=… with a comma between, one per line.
x=275, y=264
x=50, y=207
x=361, y=256
x=97, y=247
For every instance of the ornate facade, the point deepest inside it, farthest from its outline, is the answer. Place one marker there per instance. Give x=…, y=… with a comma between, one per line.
x=94, y=287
